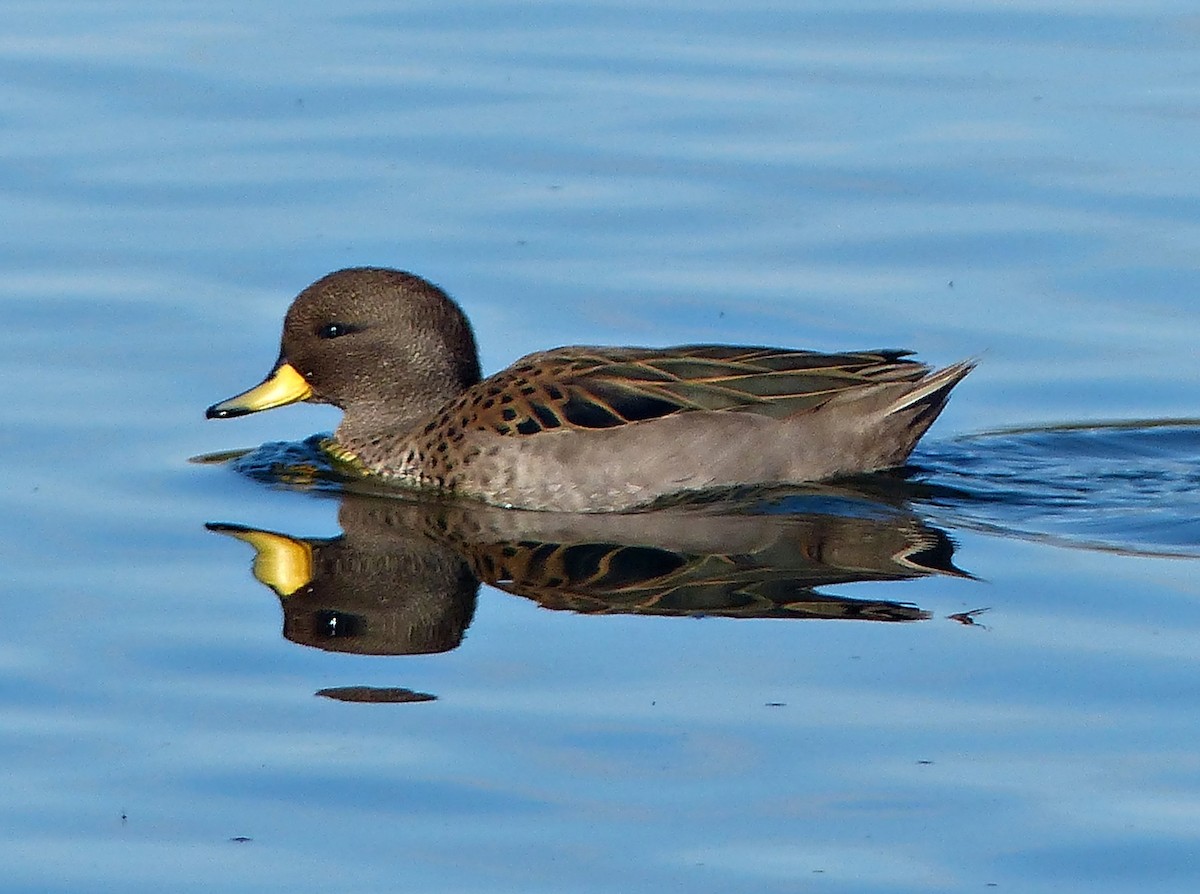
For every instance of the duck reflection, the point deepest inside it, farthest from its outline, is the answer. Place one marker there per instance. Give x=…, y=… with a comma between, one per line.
x=403, y=577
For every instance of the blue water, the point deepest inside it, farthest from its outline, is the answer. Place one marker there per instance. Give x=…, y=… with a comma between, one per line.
x=1016, y=183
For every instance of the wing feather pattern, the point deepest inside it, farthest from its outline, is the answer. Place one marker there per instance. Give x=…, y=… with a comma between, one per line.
x=594, y=388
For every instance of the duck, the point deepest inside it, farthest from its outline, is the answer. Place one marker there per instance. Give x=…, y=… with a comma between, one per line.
x=580, y=428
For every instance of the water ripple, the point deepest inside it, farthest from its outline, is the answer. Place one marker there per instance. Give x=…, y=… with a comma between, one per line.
x=1129, y=487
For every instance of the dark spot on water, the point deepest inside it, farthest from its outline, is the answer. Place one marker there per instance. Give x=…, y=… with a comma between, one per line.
x=375, y=695
x=968, y=618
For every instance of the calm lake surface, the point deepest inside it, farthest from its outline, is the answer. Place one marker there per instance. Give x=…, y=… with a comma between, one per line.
x=1014, y=181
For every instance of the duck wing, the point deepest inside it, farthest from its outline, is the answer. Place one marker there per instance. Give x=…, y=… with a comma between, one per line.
x=596, y=388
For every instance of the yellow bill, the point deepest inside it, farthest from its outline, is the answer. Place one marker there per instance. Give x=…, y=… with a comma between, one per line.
x=282, y=563
x=283, y=386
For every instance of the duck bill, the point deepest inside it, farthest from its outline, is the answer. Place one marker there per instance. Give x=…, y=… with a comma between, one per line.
x=282, y=387
x=282, y=563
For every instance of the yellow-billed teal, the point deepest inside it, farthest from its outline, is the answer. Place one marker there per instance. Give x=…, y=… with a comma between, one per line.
x=581, y=428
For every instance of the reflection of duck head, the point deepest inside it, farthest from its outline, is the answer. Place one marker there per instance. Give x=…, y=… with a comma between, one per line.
x=379, y=589
x=402, y=578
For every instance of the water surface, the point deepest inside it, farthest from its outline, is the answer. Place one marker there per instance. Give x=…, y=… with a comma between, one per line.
x=1016, y=183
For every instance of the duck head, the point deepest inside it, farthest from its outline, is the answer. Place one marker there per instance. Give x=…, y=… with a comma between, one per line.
x=385, y=346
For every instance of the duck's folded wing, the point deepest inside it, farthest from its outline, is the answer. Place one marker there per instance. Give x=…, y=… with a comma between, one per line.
x=596, y=388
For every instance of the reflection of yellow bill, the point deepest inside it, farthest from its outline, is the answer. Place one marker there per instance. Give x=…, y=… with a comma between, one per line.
x=283, y=386
x=281, y=563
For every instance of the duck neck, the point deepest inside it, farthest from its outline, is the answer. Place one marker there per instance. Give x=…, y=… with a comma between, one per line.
x=369, y=424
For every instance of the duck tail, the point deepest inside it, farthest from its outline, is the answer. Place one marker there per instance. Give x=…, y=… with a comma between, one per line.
x=926, y=400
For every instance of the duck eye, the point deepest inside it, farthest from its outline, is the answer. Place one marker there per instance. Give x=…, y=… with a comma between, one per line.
x=336, y=330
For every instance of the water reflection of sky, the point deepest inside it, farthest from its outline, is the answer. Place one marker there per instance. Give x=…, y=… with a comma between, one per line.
x=1011, y=182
